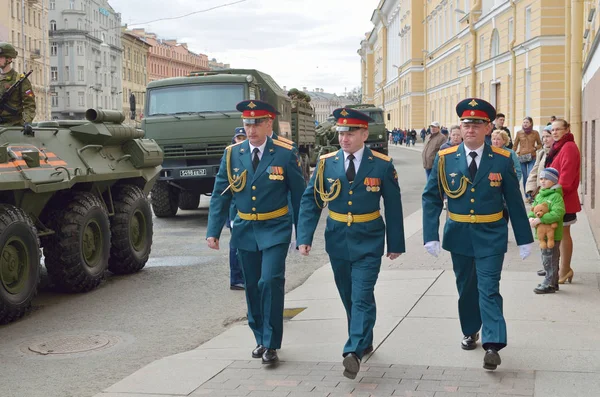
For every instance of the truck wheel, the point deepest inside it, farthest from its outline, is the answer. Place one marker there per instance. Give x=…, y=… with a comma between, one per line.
x=189, y=200
x=19, y=263
x=131, y=231
x=165, y=199
x=76, y=256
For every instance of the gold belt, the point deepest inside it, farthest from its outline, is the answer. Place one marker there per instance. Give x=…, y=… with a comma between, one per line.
x=265, y=216
x=350, y=218
x=475, y=218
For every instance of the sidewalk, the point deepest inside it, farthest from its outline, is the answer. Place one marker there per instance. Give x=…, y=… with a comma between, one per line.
x=553, y=350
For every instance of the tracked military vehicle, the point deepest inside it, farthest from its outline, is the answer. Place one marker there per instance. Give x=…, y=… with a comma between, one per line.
x=77, y=190
x=193, y=119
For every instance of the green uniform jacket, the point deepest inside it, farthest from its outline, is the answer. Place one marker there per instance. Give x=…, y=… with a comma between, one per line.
x=359, y=239
x=556, y=206
x=22, y=99
x=261, y=194
x=482, y=197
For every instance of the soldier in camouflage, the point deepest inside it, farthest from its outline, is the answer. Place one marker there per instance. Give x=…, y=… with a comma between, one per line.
x=23, y=99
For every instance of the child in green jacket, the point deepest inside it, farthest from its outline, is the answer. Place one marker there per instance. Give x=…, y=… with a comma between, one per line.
x=552, y=194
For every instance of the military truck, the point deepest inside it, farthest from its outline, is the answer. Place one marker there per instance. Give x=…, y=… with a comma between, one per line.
x=193, y=118
x=327, y=139
x=78, y=190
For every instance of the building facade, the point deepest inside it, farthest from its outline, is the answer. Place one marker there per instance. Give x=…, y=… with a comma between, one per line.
x=529, y=58
x=24, y=24
x=135, y=74
x=85, y=57
x=213, y=64
x=168, y=58
x=325, y=103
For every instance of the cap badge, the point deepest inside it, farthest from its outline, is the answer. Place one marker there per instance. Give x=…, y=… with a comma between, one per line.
x=473, y=103
x=252, y=105
x=252, y=113
x=345, y=121
x=472, y=113
x=344, y=113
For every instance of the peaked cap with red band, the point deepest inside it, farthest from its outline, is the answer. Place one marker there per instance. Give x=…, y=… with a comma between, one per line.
x=351, y=118
x=475, y=109
x=255, y=109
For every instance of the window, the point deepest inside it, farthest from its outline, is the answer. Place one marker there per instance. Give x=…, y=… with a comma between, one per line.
x=54, y=73
x=54, y=100
x=53, y=49
x=527, y=23
x=68, y=100
x=79, y=24
x=495, y=50
x=81, y=99
x=67, y=45
x=527, y=92
x=66, y=23
x=80, y=48
x=67, y=74
x=482, y=48
x=511, y=26
x=71, y=4
x=195, y=98
x=80, y=73
x=53, y=25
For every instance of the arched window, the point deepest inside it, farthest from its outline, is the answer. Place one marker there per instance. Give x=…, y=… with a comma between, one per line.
x=53, y=25
x=495, y=47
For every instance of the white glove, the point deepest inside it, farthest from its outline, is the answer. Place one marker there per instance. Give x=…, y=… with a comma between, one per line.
x=433, y=247
x=525, y=250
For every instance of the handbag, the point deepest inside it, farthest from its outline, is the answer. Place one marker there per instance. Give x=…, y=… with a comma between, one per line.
x=526, y=158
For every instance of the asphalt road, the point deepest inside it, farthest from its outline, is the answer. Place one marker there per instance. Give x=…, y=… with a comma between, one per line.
x=180, y=300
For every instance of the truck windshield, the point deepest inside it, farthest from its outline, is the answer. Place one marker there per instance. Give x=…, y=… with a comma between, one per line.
x=377, y=116
x=195, y=98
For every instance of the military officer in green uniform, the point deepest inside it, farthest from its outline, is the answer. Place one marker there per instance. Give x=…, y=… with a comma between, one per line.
x=476, y=178
x=259, y=173
x=352, y=181
x=22, y=101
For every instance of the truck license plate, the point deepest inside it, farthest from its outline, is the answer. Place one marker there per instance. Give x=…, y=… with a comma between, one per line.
x=197, y=172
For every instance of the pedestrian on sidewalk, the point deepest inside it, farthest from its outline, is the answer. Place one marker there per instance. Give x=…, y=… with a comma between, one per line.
x=236, y=277
x=550, y=194
x=526, y=144
x=352, y=182
x=533, y=185
x=477, y=178
x=565, y=157
x=434, y=141
x=259, y=173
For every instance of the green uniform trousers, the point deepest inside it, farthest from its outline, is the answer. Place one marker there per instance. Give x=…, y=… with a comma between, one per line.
x=264, y=275
x=355, y=282
x=479, y=299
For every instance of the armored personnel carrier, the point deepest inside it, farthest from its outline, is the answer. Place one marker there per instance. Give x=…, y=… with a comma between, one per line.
x=78, y=191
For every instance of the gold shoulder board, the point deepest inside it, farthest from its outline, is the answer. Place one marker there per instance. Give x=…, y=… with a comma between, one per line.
x=500, y=151
x=282, y=144
x=235, y=144
x=381, y=156
x=449, y=150
x=326, y=156
x=284, y=140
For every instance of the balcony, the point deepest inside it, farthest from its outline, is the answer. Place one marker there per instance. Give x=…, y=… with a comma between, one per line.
x=97, y=64
x=113, y=69
x=32, y=2
x=73, y=12
x=35, y=54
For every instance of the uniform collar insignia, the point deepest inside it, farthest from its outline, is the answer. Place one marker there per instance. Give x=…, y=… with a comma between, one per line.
x=330, y=180
x=457, y=154
x=453, y=174
x=491, y=155
x=236, y=169
x=242, y=150
x=370, y=158
x=271, y=150
x=337, y=158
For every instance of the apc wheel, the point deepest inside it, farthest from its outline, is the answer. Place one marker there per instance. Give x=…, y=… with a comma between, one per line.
x=131, y=231
x=19, y=263
x=189, y=200
x=165, y=199
x=76, y=256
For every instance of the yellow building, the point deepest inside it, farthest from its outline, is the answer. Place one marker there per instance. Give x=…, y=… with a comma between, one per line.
x=135, y=74
x=24, y=24
x=529, y=58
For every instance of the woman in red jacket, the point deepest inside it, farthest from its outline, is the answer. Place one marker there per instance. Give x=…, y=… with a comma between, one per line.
x=566, y=158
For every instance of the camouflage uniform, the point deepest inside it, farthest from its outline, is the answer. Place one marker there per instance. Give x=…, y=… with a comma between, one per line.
x=22, y=99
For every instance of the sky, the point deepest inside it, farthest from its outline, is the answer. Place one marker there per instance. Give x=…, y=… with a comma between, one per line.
x=300, y=43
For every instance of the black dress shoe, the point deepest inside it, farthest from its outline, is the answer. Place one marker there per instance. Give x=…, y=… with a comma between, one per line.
x=469, y=342
x=491, y=360
x=368, y=350
x=258, y=352
x=351, y=365
x=270, y=356
x=541, y=272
